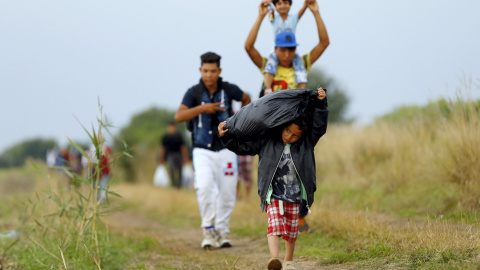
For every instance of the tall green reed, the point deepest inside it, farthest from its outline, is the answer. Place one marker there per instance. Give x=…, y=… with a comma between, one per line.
x=65, y=228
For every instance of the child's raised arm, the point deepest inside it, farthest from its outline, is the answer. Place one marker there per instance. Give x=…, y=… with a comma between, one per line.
x=252, y=36
x=304, y=7
x=320, y=116
x=324, y=41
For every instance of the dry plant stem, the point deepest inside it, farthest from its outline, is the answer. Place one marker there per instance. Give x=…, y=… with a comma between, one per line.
x=93, y=258
x=44, y=249
x=63, y=258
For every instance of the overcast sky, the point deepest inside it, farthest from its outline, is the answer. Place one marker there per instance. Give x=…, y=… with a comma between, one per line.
x=58, y=58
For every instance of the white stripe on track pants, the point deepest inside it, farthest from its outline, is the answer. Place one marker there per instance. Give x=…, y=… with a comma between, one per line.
x=216, y=185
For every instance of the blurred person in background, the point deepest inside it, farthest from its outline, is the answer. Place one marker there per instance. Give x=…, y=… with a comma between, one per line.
x=101, y=168
x=245, y=164
x=174, y=153
x=51, y=158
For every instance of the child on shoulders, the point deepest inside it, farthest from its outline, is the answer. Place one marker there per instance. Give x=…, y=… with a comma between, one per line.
x=282, y=21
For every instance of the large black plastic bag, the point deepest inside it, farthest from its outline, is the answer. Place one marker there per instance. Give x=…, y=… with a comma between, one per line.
x=258, y=118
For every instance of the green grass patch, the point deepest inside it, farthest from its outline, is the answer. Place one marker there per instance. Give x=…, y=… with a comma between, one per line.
x=331, y=250
x=118, y=251
x=252, y=230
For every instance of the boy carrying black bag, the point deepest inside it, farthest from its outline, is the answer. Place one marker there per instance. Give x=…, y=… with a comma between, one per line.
x=286, y=167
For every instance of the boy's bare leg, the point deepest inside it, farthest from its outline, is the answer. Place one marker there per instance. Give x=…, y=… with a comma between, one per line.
x=289, y=250
x=274, y=245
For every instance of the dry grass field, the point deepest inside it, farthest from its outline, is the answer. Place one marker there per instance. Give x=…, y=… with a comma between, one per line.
x=398, y=194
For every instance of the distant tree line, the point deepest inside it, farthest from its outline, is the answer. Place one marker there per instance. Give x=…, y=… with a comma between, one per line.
x=17, y=154
x=338, y=99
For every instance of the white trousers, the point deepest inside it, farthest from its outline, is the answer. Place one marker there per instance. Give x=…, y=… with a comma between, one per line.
x=216, y=185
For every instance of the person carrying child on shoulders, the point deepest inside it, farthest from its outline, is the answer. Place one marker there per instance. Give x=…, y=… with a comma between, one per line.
x=284, y=22
x=289, y=157
x=285, y=69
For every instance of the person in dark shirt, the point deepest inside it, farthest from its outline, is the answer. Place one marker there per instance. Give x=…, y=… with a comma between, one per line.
x=174, y=153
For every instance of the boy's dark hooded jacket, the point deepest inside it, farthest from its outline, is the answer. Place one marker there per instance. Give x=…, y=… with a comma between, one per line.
x=270, y=149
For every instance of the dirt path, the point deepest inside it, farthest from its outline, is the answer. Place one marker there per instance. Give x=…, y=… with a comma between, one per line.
x=181, y=247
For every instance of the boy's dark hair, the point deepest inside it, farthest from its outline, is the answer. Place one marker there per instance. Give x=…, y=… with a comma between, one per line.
x=276, y=1
x=210, y=57
x=302, y=123
x=305, y=119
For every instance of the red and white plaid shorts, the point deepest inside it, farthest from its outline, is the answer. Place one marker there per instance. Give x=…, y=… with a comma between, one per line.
x=285, y=225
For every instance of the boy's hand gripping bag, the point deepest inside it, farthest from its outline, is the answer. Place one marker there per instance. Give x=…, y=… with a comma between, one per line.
x=261, y=116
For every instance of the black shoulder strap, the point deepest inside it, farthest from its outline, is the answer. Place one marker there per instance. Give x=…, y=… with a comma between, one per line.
x=197, y=94
x=262, y=90
x=304, y=58
x=197, y=100
x=226, y=87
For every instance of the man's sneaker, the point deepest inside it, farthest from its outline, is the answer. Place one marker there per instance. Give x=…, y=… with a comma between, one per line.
x=274, y=264
x=209, y=239
x=302, y=226
x=223, y=240
x=289, y=265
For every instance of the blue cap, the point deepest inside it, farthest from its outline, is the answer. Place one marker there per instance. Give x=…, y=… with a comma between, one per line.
x=285, y=39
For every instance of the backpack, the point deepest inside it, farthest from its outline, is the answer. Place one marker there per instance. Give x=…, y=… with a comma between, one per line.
x=197, y=96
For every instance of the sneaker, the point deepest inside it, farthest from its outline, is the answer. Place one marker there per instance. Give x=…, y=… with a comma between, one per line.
x=289, y=265
x=223, y=240
x=209, y=239
x=274, y=264
x=302, y=226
